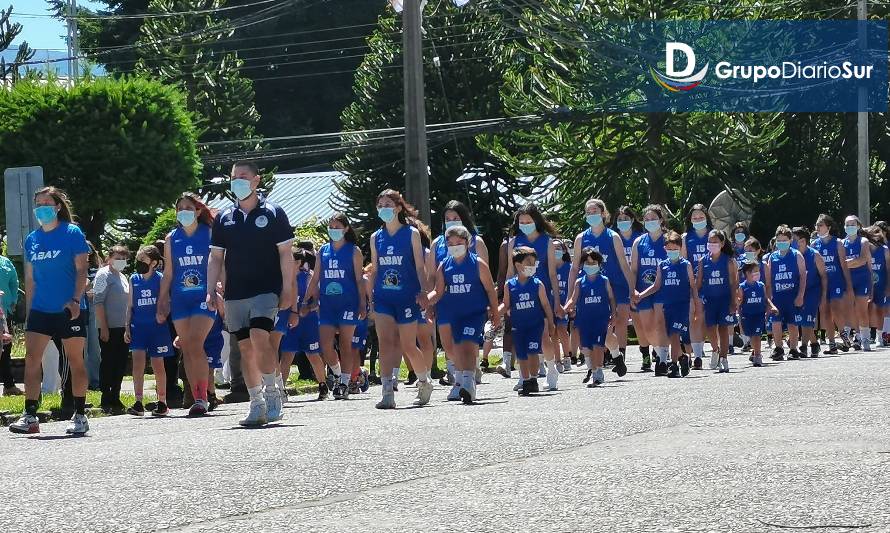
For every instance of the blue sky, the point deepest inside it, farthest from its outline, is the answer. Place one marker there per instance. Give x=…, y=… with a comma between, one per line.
x=41, y=32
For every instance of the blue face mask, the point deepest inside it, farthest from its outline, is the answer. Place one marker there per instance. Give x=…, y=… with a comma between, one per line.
x=336, y=234
x=851, y=230
x=594, y=220
x=652, y=225
x=241, y=188
x=750, y=257
x=386, y=213
x=591, y=270
x=699, y=225
x=625, y=225
x=740, y=238
x=673, y=255
x=528, y=229
x=558, y=254
x=783, y=246
x=452, y=223
x=186, y=218
x=45, y=214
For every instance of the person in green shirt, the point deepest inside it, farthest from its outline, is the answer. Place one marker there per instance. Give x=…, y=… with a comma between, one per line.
x=9, y=285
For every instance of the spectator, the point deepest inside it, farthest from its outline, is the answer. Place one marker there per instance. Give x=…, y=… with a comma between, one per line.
x=9, y=285
x=112, y=298
x=92, y=345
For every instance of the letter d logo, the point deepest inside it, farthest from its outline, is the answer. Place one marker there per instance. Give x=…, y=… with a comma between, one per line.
x=669, y=56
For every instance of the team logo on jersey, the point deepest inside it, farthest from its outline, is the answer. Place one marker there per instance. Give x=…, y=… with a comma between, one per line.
x=649, y=276
x=333, y=289
x=261, y=221
x=391, y=280
x=191, y=280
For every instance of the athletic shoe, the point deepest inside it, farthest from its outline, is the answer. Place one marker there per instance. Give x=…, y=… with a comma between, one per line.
x=478, y=376
x=599, y=377
x=160, y=410
x=375, y=379
x=607, y=358
x=715, y=360
x=79, y=425
x=388, y=401
x=866, y=345
x=814, y=349
x=845, y=347
x=26, y=424
x=674, y=371
x=454, y=393
x=12, y=390
x=593, y=384
x=793, y=355
x=751, y=358
x=885, y=340
x=503, y=371
x=731, y=350
x=424, y=392
x=724, y=365
x=587, y=377
x=684, y=365
x=832, y=349
x=212, y=402
x=580, y=360
x=574, y=359
x=857, y=346
x=559, y=367
x=533, y=384
x=567, y=364
x=758, y=361
x=529, y=387
x=484, y=364
x=620, y=367
x=647, y=364
x=344, y=391
x=395, y=385
x=412, y=379
x=436, y=373
x=746, y=347
x=137, y=409
x=274, y=407
x=552, y=379
x=696, y=365
x=465, y=396
x=323, y=391
x=218, y=378
x=518, y=386
x=337, y=392
x=364, y=381
x=778, y=354
x=661, y=369
x=447, y=380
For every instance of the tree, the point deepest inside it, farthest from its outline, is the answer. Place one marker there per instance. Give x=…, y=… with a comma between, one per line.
x=8, y=33
x=461, y=85
x=115, y=146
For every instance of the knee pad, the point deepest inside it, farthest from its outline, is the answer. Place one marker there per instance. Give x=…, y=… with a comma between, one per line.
x=263, y=323
x=242, y=334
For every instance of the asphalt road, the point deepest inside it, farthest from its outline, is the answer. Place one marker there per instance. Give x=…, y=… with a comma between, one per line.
x=795, y=444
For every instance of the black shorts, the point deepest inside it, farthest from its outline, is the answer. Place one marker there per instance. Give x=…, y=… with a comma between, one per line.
x=57, y=324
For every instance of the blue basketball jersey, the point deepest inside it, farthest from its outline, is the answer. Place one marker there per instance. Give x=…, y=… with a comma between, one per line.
x=396, y=278
x=605, y=245
x=833, y=268
x=303, y=277
x=337, y=276
x=542, y=248
x=715, y=276
x=814, y=281
x=440, y=247
x=629, y=245
x=879, y=269
x=525, y=306
x=785, y=274
x=696, y=248
x=562, y=277
x=144, y=296
x=853, y=248
x=464, y=293
x=649, y=255
x=593, y=299
x=753, y=298
x=674, y=282
x=190, y=260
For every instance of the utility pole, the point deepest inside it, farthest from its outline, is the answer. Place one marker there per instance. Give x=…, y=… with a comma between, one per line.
x=862, y=129
x=73, y=48
x=417, y=179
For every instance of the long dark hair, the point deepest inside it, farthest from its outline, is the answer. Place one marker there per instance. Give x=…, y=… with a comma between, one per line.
x=703, y=209
x=425, y=237
x=725, y=245
x=203, y=214
x=463, y=212
x=635, y=224
x=658, y=210
x=60, y=198
x=349, y=234
x=829, y=222
x=542, y=225
x=408, y=210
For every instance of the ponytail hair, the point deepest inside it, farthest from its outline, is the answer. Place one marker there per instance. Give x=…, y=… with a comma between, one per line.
x=725, y=245
x=349, y=235
x=60, y=198
x=542, y=225
x=203, y=215
x=407, y=211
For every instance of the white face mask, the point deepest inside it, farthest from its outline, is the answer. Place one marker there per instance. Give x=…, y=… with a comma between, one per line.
x=529, y=270
x=458, y=250
x=119, y=264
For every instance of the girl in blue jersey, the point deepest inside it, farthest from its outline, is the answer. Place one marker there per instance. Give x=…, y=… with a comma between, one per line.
x=858, y=260
x=532, y=230
x=814, y=295
x=465, y=291
x=716, y=280
x=786, y=274
x=675, y=285
x=426, y=325
x=837, y=313
x=184, y=291
x=614, y=266
x=563, y=263
x=629, y=228
x=740, y=236
x=695, y=248
x=303, y=330
x=753, y=306
x=648, y=253
x=341, y=305
x=398, y=278
x=879, y=307
x=146, y=335
x=593, y=301
x=528, y=304
x=55, y=257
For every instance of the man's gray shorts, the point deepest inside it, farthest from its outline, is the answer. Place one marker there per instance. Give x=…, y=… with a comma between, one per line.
x=255, y=312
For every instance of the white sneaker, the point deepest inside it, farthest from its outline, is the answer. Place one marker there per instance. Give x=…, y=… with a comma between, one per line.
x=26, y=424
x=552, y=379
x=218, y=377
x=274, y=407
x=283, y=394
x=454, y=393
x=424, y=392
x=256, y=415
x=724, y=365
x=79, y=425
x=478, y=376
x=468, y=393
x=388, y=401
x=715, y=360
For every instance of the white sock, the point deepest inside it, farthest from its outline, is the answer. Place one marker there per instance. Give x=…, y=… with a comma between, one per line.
x=269, y=381
x=344, y=378
x=468, y=379
x=865, y=334
x=449, y=366
x=387, y=384
x=589, y=362
x=424, y=376
x=336, y=369
x=886, y=325
x=663, y=353
x=508, y=356
x=395, y=373
x=279, y=381
x=256, y=393
x=698, y=348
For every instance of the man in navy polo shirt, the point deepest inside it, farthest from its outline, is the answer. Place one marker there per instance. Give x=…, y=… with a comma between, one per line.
x=253, y=239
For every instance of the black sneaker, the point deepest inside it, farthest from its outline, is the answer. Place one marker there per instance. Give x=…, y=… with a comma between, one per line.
x=484, y=364
x=674, y=370
x=857, y=345
x=534, y=385
x=696, y=365
x=395, y=385
x=684, y=365
x=160, y=410
x=778, y=354
x=465, y=396
x=814, y=349
x=150, y=406
x=412, y=379
x=832, y=349
x=607, y=358
x=647, y=364
x=137, y=409
x=587, y=377
x=793, y=355
x=212, y=401
x=323, y=391
x=845, y=343
x=620, y=368
x=526, y=389
x=574, y=359
x=661, y=369
x=374, y=379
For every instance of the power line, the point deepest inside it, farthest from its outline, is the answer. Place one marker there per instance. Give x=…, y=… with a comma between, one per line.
x=143, y=15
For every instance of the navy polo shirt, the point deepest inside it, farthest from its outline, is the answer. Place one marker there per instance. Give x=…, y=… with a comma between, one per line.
x=251, y=241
